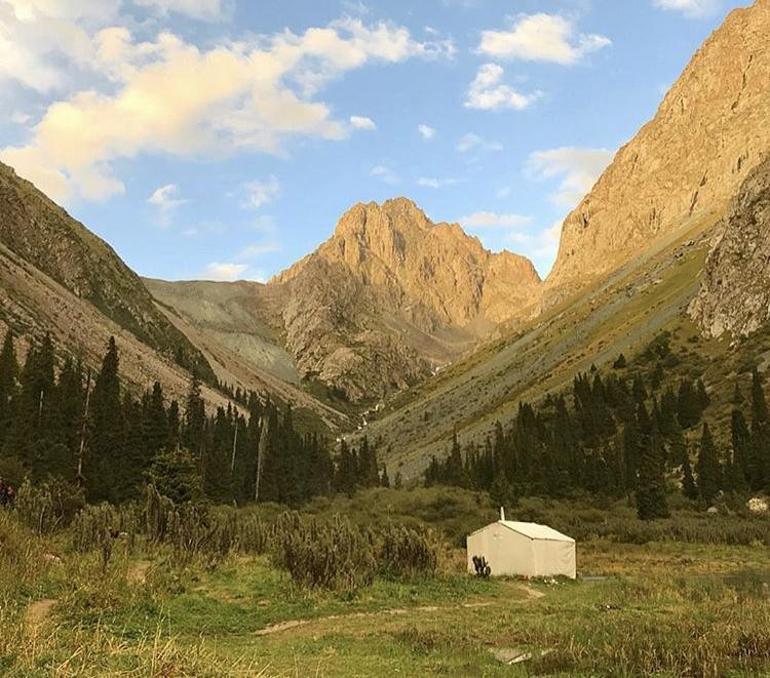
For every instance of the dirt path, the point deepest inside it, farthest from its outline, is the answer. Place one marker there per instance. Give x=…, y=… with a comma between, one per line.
x=280, y=627
x=38, y=613
x=137, y=572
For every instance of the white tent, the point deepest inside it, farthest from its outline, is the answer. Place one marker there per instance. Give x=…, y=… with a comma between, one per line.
x=522, y=549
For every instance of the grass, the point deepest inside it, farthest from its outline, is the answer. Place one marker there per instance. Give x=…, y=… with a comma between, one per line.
x=666, y=608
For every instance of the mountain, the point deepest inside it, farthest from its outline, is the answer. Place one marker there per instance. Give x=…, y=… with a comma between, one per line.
x=734, y=296
x=57, y=277
x=682, y=167
x=42, y=234
x=672, y=241
x=390, y=297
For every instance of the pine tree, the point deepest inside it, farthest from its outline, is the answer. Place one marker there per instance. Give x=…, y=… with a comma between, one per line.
x=708, y=467
x=688, y=481
x=759, y=465
x=195, y=419
x=105, y=475
x=741, y=444
x=384, y=479
x=688, y=405
x=9, y=372
x=651, y=489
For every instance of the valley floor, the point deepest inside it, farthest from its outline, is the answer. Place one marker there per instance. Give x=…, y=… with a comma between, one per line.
x=663, y=608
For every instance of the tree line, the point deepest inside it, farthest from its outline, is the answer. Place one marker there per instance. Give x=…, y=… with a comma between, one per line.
x=618, y=437
x=59, y=421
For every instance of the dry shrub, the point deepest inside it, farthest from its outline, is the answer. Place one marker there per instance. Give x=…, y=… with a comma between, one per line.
x=324, y=554
x=406, y=552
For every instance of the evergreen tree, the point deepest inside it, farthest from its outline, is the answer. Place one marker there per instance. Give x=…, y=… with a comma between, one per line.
x=759, y=464
x=193, y=433
x=688, y=405
x=384, y=480
x=175, y=475
x=709, y=469
x=651, y=489
x=9, y=372
x=741, y=444
x=688, y=481
x=107, y=468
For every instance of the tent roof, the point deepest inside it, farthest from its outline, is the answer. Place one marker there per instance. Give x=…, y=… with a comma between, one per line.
x=536, y=531
x=533, y=530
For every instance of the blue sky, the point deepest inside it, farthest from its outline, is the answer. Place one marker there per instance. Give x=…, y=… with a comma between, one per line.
x=223, y=139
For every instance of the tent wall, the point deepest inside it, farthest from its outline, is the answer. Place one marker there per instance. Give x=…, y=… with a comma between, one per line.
x=554, y=559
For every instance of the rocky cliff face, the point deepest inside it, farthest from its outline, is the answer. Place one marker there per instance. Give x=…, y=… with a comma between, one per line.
x=41, y=233
x=735, y=292
x=392, y=294
x=685, y=165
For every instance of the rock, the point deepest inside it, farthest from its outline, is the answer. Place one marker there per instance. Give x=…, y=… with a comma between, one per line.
x=734, y=295
x=685, y=165
x=391, y=294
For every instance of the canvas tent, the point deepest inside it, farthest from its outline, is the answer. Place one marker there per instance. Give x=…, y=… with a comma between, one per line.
x=523, y=549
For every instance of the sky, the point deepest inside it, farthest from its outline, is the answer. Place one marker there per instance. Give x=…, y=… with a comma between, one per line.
x=223, y=139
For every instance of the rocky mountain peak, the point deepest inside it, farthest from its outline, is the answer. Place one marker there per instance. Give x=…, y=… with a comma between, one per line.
x=392, y=287
x=683, y=167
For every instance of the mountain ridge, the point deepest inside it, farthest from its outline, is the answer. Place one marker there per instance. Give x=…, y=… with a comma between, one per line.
x=687, y=162
x=386, y=299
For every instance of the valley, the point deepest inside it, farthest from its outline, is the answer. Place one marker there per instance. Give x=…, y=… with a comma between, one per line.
x=243, y=475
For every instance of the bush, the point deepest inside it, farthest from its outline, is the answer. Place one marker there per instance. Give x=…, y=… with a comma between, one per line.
x=407, y=552
x=324, y=554
x=49, y=506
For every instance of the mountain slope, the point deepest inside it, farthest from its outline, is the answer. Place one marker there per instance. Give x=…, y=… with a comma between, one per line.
x=734, y=297
x=43, y=234
x=57, y=277
x=632, y=258
x=387, y=299
x=687, y=163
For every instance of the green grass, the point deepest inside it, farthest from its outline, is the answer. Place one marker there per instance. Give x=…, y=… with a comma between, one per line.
x=666, y=608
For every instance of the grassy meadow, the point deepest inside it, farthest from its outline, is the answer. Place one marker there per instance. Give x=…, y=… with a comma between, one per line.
x=684, y=597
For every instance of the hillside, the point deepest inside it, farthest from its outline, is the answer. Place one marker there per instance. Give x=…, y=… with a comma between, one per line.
x=56, y=276
x=387, y=299
x=684, y=165
x=632, y=259
x=41, y=233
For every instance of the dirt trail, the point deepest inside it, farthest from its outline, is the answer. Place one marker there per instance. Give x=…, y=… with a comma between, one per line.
x=280, y=627
x=38, y=613
x=137, y=572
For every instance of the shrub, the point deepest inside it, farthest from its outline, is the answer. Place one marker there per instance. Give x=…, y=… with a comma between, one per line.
x=324, y=554
x=49, y=506
x=407, y=552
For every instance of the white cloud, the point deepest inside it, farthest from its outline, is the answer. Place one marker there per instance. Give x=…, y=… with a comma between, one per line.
x=486, y=219
x=541, y=37
x=362, y=122
x=433, y=182
x=166, y=199
x=488, y=93
x=384, y=173
x=261, y=192
x=473, y=142
x=224, y=271
x=579, y=169
x=207, y=10
x=426, y=132
x=694, y=9
x=170, y=96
